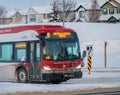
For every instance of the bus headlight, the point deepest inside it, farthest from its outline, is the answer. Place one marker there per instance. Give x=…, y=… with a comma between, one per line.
x=78, y=67
x=47, y=68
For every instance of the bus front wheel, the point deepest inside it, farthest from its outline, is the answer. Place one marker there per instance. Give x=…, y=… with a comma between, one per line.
x=21, y=75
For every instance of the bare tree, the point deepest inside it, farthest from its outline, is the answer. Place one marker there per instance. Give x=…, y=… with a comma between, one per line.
x=94, y=13
x=2, y=11
x=63, y=9
x=68, y=9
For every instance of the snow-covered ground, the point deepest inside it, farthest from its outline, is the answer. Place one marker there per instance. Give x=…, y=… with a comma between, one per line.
x=113, y=53
x=71, y=85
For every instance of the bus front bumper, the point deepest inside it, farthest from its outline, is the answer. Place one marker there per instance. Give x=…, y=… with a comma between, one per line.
x=61, y=76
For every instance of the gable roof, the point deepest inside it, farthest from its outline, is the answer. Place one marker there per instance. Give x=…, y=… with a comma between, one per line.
x=113, y=3
x=10, y=13
x=108, y=3
x=86, y=6
x=43, y=9
x=116, y=2
x=80, y=7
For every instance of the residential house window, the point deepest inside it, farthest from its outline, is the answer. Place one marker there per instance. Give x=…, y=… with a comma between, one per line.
x=48, y=15
x=111, y=11
x=32, y=17
x=119, y=10
x=44, y=16
x=104, y=11
x=81, y=14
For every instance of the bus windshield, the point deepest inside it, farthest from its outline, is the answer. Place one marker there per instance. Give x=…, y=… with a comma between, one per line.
x=61, y=49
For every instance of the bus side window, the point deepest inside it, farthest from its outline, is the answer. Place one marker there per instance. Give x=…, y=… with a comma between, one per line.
x=21, y=55
x=6, y=50
x=20, y=51
x=0, y=51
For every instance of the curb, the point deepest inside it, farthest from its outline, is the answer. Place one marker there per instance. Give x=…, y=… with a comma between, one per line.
x=102, y=70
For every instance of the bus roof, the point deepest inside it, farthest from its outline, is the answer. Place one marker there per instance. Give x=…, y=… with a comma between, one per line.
x=15, y=29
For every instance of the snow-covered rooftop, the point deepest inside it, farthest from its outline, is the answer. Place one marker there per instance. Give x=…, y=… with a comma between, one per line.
x=86, y=5
x=42, y=9
x=11, y=13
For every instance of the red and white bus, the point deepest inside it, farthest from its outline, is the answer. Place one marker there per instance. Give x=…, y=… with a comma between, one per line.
x=39, y=53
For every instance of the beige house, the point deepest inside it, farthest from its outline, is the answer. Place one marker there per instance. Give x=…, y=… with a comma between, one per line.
x=6, y=18
x=19, y=17
x=5, y=21
x=13, y=17
x=33, y=14
x=110, y=11
x=38, y=14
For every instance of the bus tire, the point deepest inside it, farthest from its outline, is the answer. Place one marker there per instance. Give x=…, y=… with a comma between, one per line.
x=21, y=75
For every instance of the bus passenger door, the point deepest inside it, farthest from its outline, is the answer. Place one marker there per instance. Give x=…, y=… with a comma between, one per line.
x=37, y=53
x=34, y=69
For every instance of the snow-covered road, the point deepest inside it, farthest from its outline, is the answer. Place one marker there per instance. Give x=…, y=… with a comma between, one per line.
x=94, y=80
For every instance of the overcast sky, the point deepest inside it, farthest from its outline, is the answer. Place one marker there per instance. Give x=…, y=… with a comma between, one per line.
x=23, y=4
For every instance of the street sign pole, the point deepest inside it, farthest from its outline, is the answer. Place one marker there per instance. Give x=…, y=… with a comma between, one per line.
x=89, y=58
x=89, y=64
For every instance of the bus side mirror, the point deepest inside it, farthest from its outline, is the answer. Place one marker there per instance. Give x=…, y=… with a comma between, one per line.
x=84, y=54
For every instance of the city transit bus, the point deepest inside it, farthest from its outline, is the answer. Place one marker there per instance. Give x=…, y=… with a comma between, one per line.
x=48, y=53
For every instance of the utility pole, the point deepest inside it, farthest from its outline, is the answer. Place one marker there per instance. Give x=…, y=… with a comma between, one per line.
x=63, y=7
x=105, y=54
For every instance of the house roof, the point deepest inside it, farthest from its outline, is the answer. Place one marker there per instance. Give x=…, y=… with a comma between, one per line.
x=10, y=14
x=86, y=6
x=114, y=3
x=117, y=3
x=42, y=9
